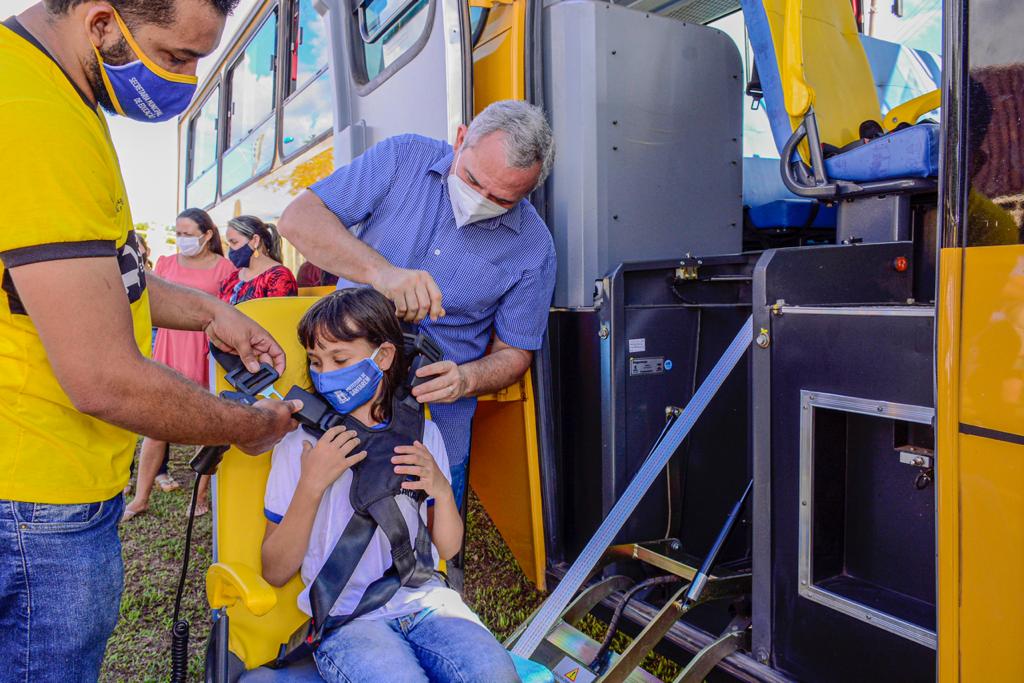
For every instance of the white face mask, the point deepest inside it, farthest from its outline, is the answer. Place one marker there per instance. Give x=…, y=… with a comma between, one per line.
x=468, y=205
x=189, y=245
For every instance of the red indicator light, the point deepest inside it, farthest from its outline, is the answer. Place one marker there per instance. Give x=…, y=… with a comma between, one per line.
x=900, y=263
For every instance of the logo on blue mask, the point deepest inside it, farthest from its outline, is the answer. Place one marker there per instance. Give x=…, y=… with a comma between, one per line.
x=142, y=90
x=348, y=388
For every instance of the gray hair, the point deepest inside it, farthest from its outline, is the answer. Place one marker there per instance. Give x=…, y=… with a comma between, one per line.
x=528, y=138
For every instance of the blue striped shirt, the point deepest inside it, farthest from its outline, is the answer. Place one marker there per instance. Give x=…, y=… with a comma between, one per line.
x=497, y=274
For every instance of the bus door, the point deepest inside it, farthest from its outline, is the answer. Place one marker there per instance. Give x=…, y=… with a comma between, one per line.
x=980, y=369
x=400, y=66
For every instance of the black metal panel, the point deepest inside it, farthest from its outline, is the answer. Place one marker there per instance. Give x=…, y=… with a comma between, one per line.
x=876, y=357
x=835, y=275
x=576, y=384
x=669, y=335
x=686, y=312
x=683, y=325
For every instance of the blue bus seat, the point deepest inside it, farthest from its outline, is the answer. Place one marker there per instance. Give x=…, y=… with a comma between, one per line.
x=908, y=153
x=824, y=80
x=770, y=204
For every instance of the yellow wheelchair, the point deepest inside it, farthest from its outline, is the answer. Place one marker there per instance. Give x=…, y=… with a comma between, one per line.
x=252, y=620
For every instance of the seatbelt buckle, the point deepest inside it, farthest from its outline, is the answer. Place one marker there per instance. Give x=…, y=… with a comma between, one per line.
x=253, y=383
x=423, y=351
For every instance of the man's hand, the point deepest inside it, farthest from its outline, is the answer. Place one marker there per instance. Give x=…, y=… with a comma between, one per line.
x=414, y=292
x=449, y=384
x=416, y=461
x=277, y=421
x=233, y=331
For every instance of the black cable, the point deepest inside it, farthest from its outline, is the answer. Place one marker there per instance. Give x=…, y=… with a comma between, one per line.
x=601, y=659
x=179, y=628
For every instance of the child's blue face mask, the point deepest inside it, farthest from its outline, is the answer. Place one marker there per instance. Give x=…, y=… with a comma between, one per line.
x=348, y=388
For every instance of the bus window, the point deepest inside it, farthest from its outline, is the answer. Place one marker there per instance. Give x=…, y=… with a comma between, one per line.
x=916, y=24
x=308, y=112
x=201, y=189
x=477, y=22
x=388, y=29
x=757, y=132
x=250, y=109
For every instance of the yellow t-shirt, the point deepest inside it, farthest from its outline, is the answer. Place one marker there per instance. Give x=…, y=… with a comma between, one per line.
x=64, y=198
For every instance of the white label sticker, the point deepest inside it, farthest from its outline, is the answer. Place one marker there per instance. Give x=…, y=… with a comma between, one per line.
x=638, y=345
x=572, y=671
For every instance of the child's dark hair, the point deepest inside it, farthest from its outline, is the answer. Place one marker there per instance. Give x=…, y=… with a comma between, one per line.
x=359, y=313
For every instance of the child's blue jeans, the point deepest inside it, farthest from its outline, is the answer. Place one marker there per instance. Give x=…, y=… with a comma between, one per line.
x=428, y=645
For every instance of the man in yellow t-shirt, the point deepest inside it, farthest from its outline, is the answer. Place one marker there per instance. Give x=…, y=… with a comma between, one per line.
x=76, y=308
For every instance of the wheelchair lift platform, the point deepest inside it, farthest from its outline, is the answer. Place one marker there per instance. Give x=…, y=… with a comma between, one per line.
x=570, y=654
x=550, y=636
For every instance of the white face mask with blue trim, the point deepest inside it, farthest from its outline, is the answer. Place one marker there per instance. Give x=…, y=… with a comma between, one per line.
x=348, y=388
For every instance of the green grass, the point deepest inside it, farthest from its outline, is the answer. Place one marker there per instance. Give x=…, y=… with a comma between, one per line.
x=153, y=545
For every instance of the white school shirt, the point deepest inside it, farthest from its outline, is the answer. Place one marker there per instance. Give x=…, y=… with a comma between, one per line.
x=333, y=515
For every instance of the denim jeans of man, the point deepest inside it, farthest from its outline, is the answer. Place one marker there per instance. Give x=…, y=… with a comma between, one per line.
x=61, y=577
x=429, y=645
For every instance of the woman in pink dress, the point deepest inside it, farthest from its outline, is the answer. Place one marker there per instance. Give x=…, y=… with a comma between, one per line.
x=199, y=264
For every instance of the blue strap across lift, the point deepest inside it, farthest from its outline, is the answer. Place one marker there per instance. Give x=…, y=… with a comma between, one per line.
x=526, y=642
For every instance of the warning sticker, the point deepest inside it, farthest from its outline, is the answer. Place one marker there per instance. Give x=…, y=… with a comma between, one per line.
x=572, y=671
x=638, y=345
x=647, y=365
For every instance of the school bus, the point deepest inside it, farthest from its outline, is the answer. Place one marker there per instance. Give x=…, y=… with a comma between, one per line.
x=847, y=175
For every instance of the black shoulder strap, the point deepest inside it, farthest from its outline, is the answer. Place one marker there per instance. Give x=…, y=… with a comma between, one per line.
x=340, y=566
x=412, y=561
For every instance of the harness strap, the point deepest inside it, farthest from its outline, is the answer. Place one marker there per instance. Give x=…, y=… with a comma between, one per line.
x=412, y=565
x=340, y=566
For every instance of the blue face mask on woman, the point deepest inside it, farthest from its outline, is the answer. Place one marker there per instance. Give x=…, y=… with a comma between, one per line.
x=142, y=90
x=348, y=388
x=241, y=257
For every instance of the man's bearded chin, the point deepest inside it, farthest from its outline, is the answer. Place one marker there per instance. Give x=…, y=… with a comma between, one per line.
x=118, y=55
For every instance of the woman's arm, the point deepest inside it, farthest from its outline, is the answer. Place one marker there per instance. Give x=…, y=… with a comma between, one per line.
x=285, y=544
x=446, y=522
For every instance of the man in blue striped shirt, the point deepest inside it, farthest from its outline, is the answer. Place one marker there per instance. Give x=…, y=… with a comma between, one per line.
x=448, y=234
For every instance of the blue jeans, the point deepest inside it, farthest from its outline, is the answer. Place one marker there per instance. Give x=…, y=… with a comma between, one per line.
x=60, y=588
x=424, y=646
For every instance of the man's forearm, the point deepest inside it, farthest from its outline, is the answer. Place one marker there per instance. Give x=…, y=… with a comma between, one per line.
x=496, y=370
x=179, y=308
x=150, y=399
x=323, y=239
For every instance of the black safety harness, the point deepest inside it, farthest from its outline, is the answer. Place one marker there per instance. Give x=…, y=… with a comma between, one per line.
x=375, y=494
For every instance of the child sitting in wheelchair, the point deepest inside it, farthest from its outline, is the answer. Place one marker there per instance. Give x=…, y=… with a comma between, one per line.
x=423, y=633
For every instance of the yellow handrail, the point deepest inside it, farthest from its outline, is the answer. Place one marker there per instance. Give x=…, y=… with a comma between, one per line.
x=911, y=110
